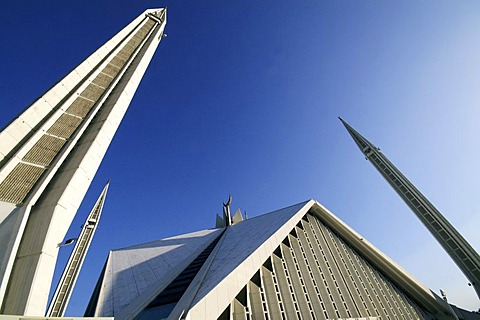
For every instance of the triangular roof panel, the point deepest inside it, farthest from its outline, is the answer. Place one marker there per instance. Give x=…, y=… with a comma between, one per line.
x=135, y=274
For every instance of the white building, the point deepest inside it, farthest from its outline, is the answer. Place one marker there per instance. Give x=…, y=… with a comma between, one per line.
x=300, y=262
x=50, y=153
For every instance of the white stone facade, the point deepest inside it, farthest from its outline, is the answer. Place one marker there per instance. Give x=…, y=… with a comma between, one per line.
x=300, y=262
x=51, y=152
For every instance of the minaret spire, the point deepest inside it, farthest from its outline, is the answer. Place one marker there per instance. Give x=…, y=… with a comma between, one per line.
x=462, y=253
x=50, y=153
x=62, y=294
x=365, y=146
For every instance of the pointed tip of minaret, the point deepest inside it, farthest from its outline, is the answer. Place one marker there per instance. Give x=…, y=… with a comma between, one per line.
x=361, y=142
x=346, y=125
x=106, y=186
x=343, y=122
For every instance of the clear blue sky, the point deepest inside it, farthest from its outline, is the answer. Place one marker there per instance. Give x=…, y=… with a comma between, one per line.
x=243, y=98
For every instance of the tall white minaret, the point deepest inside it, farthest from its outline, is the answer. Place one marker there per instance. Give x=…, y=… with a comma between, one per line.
x=70, y=274
x=462, y=253
x=50, y=153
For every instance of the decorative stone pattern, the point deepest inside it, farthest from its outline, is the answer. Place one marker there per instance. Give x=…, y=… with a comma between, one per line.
x=314, y=274
x=17, y=184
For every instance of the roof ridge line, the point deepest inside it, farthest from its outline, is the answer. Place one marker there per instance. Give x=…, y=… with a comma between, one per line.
x=197, y=281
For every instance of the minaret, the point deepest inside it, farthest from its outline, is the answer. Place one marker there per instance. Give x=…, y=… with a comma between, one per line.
x=69, y=277
x=464, y=255
x=50, y=153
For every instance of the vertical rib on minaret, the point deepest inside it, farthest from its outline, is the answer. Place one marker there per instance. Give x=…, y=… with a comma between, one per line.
x=462, y=253
x=62, y=294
